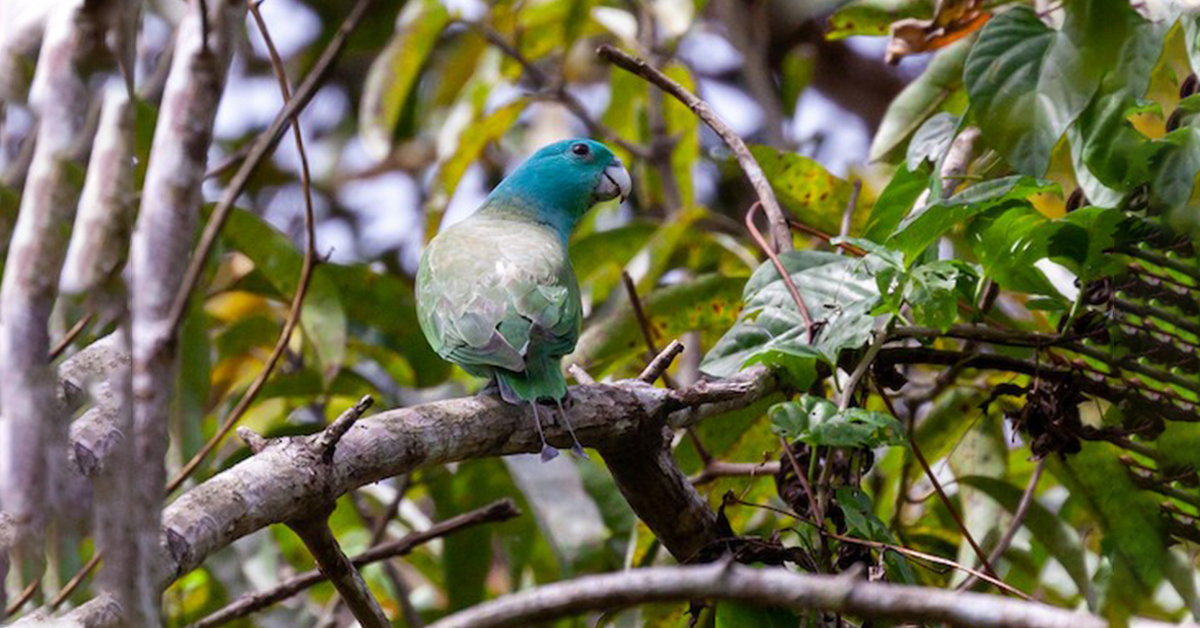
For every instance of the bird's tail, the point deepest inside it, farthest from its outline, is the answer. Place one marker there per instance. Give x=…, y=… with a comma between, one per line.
x=542, y=379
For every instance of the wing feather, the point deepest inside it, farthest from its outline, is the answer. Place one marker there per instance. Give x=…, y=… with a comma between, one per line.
x=493, y=293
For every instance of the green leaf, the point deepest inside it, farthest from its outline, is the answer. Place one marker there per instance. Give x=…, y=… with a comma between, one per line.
x=982, y=452
x=838, y=291
x=1054, y=534
x=1009, y=241
x=474, y=138
x=873, y=17
x=322, y=317
x=394, y=73
x=932, y=140
x=1175, y=164
x=932, y=291
x=805, y=187
x=862, y=522
x=792, y=419
x=919, y=231
x=1128, y=516
x=1095, y=231
x=1028, y=83
x=816, y=421
x=738, y=615
x=896, y=201
x=921, y=98
x=1109, y=156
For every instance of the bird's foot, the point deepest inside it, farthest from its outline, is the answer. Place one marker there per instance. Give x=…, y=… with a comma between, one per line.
x=577, y=449
x=549, y=453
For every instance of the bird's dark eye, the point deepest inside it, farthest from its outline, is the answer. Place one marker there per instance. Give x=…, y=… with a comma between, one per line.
x=580, y=149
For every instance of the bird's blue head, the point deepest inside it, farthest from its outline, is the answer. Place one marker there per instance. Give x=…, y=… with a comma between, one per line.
x=560, y=182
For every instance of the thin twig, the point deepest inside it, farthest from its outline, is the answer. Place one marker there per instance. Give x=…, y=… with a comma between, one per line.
x=582, y=377
x=825, y=237
x=263, y=145
x=1014, y=526
x=311, y=259
x=661, y=362
x=937, y=486
x=860, y=370
x=933, y=558
x=25, y=596
x=780, y=232
x=851, y=206
x=647, y=331
x=318, y=537
x=721, y=469
x=332, y=435
x=802, y=478
x=558, y=90
x=502, y=510
x=75, y=581
x=72, y=333
x=783, y=273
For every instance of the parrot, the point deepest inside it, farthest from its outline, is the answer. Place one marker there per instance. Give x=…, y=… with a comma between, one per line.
x=496, y=293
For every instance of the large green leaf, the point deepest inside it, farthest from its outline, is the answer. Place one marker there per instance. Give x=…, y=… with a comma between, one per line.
x=838, y=291
x=395, y=71
x=918, y=231
x=1059, y=538
x=322, y=317
x=1108, y=154
x=1028, y=82
x=1009, y=241
x=1128, y=516
x=805, y=187
x=920, y=99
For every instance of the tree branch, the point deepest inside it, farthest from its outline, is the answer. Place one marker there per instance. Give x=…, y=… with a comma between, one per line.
x=772, y=586
x=279, y=483
x=165, y=231
x=780, y=232
x=336, y=566
x=30, y=425
x=501, y=510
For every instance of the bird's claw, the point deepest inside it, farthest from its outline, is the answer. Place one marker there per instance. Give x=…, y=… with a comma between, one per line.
x=548, y=453
x=577, y=449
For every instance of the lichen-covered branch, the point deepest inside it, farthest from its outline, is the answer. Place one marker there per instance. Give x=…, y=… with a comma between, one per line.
x=30, y=424
x=160, y=251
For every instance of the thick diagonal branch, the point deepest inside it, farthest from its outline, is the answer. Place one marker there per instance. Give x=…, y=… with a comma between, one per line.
x=336, y=566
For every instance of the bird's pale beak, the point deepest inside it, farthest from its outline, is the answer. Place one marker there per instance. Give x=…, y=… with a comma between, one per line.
x=615, y=183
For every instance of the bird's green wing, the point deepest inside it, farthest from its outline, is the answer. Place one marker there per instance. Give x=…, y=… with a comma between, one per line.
x=497, y=295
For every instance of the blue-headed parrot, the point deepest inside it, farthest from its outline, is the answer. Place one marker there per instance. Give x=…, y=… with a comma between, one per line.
x=496, y=293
